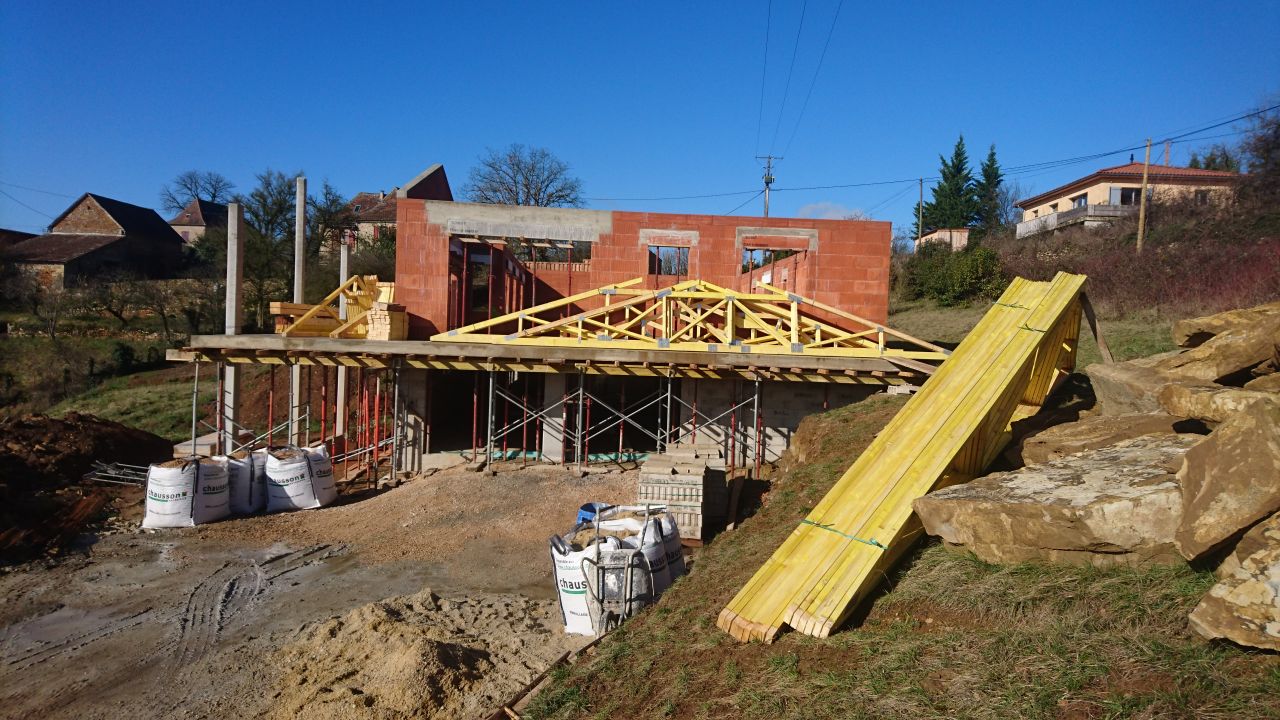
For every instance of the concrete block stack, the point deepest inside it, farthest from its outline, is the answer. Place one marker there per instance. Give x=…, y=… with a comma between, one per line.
x=690, y=481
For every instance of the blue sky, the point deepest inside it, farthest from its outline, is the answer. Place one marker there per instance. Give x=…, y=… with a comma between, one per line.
x=643, y=99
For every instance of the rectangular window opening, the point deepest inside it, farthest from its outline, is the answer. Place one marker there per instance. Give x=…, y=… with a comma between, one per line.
x=668, y=260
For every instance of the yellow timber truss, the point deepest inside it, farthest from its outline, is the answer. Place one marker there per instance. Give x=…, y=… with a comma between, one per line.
x=696, y=315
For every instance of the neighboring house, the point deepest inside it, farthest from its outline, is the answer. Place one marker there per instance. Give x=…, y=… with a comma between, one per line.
x=955, y=238
x=374, y=212
x=98, y=238
x=1115, y=192
x=12, y=237
x=197, y=218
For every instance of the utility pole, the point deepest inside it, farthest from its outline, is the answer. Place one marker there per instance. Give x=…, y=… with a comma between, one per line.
x=1142, y=201
x=920, y=215
x=768, y=178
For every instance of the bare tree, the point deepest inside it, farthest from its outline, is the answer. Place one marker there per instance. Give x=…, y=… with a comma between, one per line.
x=523, y=176
x=195, y=185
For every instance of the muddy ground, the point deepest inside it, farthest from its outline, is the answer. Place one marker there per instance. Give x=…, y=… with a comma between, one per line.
x=433, y=599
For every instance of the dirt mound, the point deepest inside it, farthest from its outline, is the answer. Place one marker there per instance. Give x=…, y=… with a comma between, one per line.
x=419, y=656
x=40, y=450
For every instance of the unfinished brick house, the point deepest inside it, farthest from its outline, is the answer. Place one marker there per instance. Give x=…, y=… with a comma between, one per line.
x=99, y=238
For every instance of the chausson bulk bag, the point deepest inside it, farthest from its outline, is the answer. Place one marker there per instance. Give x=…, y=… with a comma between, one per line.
x=246, y=480
x=670, y=532
x=299, y=479
x=183, y=493
x=644, y=535
x=571, y=582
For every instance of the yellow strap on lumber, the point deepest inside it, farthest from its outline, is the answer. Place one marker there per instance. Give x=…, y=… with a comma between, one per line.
x=946, y=433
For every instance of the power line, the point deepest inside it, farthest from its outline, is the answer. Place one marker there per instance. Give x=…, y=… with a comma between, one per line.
x=744, y=202
x=671, y=197
x=2, y=192
x=764, y=72
x=814, y=81
x=786, y=89
x=31, y=189
x=870, y=211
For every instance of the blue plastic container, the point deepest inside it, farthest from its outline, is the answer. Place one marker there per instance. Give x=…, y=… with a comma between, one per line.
x=587, y=513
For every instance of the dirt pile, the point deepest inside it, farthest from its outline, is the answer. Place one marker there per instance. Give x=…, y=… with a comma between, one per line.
x=40, y=450
x=419, y=656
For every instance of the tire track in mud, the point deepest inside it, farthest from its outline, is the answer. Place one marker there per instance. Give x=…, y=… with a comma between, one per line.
x=230, y=589
x=57, y=648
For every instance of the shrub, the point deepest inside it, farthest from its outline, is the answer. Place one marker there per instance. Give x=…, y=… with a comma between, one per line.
x=950, y=278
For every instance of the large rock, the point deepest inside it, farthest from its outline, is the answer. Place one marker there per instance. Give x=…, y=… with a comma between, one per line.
x=1244, y=607
x=1252, y=542
x=1195, y=331
x=1231, y=351
x=1213, y=403
x=1128, y=387
x=1266, y=383
x=1230, y=480
x=1114, y=505
x=1094, y=431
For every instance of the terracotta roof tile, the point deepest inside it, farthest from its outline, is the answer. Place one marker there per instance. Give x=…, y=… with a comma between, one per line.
x=58, y=247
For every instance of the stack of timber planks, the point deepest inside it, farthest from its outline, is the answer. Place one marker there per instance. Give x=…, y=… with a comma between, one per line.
x=947, y=433
x=387, y=321
x=690, y=481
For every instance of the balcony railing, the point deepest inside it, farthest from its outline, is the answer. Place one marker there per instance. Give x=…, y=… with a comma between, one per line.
x=1083, y=214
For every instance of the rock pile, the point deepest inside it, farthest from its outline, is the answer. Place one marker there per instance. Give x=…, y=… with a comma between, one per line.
x=1131, y=485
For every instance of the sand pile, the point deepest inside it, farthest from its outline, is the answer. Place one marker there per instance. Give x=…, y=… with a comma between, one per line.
x=419, y=656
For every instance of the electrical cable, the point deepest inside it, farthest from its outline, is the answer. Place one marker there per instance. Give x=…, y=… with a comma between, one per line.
x=2, y=192
x=786, y=89
x=46, y=192
x=764, y=72
x=744, y=202
x=805, y=106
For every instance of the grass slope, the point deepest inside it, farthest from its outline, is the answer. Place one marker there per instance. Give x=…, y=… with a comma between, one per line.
x=950, y=637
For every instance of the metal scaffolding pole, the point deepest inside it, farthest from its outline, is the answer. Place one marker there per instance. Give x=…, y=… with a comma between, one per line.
x=396, y=425
x=488, y=458
x=577, y=430
x=755, y=411
x=195, y=404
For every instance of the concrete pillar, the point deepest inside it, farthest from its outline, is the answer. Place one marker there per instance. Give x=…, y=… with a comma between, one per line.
x=299, y=282
x=416, y=430
x=344, y=273
x=234, y=321
x=552, y=423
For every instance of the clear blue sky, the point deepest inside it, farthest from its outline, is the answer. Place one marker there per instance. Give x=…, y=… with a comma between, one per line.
x=643, y=99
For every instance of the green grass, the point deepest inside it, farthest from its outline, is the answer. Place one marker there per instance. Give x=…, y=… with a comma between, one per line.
x=1127, y=338
x=950, y=636
x=157, y=401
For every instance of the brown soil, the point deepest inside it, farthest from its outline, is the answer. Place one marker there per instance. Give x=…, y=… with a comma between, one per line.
x=42, y=459
x=318, y=613
x=419, y=656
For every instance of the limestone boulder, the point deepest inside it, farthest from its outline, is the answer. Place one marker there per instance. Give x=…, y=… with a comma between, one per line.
x=1212, y=403
x=1266, y=383
x=1252, y=542
x=1195, y=331
x=1094, y=431
x=1129, y=387
x=1233, y=350
x=1230, y=480
x=1114, y=505
x=1244, y=607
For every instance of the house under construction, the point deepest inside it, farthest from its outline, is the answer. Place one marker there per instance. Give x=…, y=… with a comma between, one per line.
x=576, y=336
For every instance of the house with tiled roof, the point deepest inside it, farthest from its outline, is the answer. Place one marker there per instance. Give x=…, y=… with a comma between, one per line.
x=197, y=218
x=98, y=238
x=375, y=212
x=1109, y=193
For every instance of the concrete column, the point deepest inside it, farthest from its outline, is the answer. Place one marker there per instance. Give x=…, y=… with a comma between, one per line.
x=552, y=424
x=416, y=431
x=299, y=282
x=344, y=273
x=234, y=321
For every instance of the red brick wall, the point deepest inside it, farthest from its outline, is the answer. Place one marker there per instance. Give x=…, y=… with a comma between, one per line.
x=849, y=267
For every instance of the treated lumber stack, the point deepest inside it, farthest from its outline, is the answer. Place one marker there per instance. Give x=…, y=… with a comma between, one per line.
x=947, y=433
x=387, y=321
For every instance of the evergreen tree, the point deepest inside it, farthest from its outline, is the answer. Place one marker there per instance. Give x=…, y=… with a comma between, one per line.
x=987, y=195
x=954, y=203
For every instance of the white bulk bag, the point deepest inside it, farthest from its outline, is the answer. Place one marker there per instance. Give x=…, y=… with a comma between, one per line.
x=670, y=532
x=571, y=582
x=299, y=479
x=183, y=493
x=246, y=481
x=647, y=538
